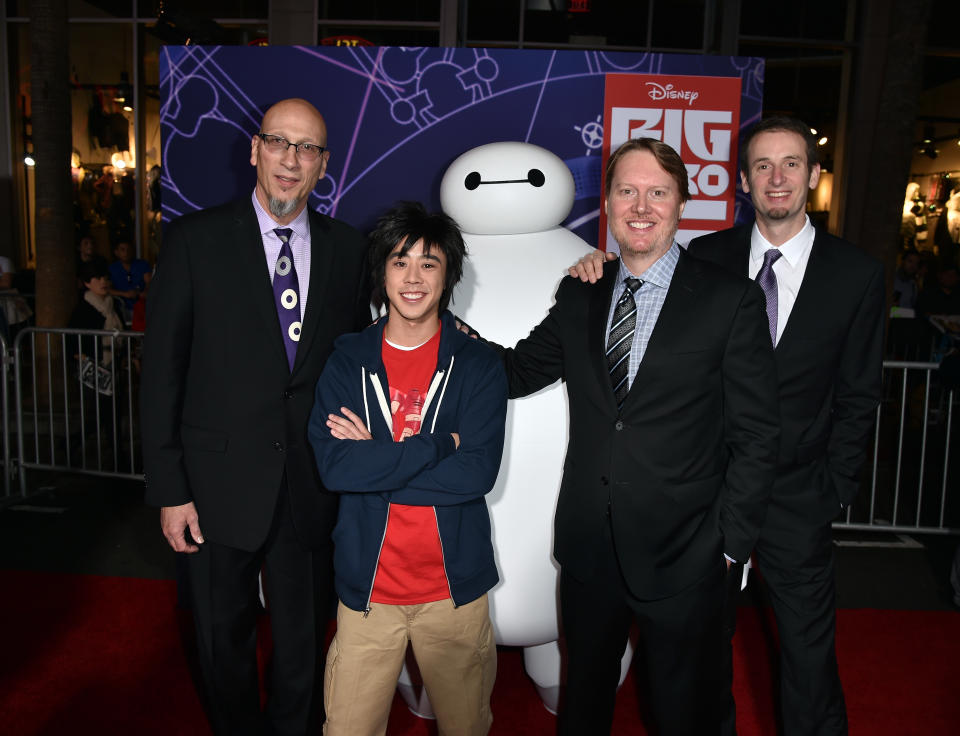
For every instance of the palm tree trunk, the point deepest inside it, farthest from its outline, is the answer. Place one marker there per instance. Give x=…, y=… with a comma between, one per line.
x=50, y=116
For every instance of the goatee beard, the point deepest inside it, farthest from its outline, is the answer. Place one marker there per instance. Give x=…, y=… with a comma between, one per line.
x=282, y=207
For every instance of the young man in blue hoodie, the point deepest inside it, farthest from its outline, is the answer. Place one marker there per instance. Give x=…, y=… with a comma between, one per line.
x=408, y=426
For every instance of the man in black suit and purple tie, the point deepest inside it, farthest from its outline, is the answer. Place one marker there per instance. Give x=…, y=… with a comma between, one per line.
x=246, y=303
x=826, y=326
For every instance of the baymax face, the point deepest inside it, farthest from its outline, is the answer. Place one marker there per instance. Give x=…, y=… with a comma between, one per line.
x=507, y=188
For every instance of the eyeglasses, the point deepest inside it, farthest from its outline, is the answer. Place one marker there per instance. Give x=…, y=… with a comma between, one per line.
x=279, y=144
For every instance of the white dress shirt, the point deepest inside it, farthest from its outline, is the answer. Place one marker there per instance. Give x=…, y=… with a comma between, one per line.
x=789, y=268
x=649, y=299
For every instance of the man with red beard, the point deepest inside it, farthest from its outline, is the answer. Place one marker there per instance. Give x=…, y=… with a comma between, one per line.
x=673, y=438
x=824, y=301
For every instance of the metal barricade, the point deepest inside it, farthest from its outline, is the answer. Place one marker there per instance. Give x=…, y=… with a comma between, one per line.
x=8, y=467
x=76, y=411
x=909, y=473
x=76, y=407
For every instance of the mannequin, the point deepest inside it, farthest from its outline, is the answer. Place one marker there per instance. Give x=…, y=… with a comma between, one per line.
x=908, y=222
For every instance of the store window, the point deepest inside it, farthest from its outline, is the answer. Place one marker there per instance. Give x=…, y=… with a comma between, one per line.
x=104, y=162
x=677, y=25
x=24, y=148
x=360, y=35
x=401, y=10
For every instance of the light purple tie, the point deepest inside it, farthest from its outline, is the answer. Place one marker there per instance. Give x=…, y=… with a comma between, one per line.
x=768, y=282
x=286, y=294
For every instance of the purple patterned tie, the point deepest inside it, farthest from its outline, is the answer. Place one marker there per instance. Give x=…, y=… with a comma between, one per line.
x=768, y=282
x=286, y=294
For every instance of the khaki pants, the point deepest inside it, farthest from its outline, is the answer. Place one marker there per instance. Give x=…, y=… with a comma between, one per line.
x=455, y=652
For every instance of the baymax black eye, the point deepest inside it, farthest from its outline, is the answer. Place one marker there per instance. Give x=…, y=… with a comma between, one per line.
x=472, y=181
x=536, y=177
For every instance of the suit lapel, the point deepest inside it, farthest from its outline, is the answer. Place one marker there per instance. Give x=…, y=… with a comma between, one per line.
x=809, y=305
x=321, y=262
x=679, y=308
x=737, y=254
x=253, y=264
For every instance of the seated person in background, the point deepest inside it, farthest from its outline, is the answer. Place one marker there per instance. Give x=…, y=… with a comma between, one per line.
x=905, y=288
x=87, y=253
x=96, y=310
x=129, y=275
x=138, y=318
x=941, y=297
x=408, y=426
x=6, y=273
x=908, y=338
x=15, y=309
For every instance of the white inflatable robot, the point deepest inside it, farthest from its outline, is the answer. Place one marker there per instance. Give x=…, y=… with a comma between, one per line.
x=509, y=200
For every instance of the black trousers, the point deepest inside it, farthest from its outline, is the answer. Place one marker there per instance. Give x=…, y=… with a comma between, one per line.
x=224, y=587
x=796, y=558
x=728, y=706
x=679, y=639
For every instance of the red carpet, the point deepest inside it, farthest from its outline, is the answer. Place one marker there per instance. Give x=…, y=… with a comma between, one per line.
x=85, y=654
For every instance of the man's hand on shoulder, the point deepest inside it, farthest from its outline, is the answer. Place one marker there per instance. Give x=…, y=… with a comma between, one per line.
x=590, y=267
x=347, y=427
x=465, y=328
x=175, y=521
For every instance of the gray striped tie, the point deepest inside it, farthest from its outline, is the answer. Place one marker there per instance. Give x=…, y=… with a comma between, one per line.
x=620, y=339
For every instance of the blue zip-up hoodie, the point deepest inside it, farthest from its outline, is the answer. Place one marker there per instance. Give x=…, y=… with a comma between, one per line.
x=467, y=395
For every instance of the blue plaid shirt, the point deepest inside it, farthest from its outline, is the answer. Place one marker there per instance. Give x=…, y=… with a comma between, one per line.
x=649, y=299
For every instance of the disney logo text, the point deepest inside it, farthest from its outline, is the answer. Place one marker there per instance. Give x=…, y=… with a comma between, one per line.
x=661, y=92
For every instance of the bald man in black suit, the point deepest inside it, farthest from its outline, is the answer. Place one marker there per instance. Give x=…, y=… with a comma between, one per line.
x=225, y=400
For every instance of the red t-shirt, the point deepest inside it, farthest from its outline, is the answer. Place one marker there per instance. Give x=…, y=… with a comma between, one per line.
x=410, y=570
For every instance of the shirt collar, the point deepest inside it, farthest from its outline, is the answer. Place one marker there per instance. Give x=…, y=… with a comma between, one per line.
x=659, y=274
x=300, y=224
x=792, y=251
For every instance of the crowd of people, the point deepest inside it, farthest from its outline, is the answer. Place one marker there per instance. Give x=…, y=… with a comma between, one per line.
x=925, y=290
x=720, y=401
x=926, y=279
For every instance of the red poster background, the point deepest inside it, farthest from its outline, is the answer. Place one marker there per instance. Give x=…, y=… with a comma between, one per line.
x=700, y=118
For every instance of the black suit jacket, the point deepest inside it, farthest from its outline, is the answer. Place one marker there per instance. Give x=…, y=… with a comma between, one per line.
x=684, y=469
x=223, y=416
x=829, y=358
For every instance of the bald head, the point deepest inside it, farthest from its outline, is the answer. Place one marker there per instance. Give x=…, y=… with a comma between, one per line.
x=284, y=179
x=299, y=109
